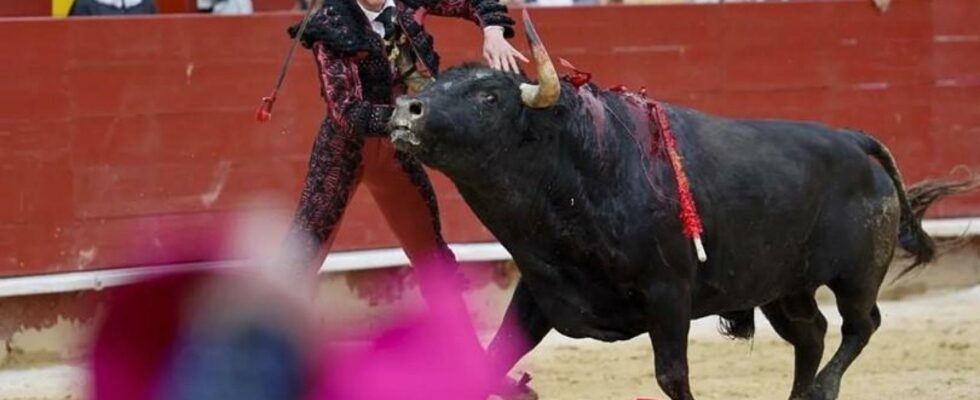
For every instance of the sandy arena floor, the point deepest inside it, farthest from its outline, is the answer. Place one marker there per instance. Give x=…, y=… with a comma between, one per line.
x=928, y=347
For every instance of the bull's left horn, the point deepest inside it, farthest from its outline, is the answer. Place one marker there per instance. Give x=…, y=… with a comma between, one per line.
x=546, y=92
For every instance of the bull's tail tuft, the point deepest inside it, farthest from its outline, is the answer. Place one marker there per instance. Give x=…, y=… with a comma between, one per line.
x=914, y=202
x=924, y=193
x=920, y=196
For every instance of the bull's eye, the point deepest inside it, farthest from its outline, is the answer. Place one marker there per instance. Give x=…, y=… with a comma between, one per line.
x=488, y=98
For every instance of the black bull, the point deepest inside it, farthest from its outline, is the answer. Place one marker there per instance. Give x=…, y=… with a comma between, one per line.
x=590, y=216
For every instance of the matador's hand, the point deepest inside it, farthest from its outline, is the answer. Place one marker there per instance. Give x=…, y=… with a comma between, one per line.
x=498, y=51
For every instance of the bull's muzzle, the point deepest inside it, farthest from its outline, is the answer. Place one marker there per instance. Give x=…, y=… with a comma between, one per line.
x=406, y=121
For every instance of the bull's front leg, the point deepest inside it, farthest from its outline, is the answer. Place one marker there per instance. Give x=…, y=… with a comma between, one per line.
x=671, y=322
x=524, y=326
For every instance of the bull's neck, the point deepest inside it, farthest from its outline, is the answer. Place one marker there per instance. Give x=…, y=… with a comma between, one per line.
x=520, y=192
x=578, y=154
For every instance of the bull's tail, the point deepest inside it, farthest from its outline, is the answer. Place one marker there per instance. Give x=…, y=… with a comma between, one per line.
x=913, y=202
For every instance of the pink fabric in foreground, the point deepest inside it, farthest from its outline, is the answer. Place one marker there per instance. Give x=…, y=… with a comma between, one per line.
x=432, y=355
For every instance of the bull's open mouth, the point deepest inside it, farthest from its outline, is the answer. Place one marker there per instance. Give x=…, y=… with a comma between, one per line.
x=403, y=136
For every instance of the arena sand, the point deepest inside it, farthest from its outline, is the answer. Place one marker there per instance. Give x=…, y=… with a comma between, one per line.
x=927, y=348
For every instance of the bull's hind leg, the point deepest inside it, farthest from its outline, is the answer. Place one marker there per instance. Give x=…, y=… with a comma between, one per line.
x=797, y=320
x=861, y=319
x=854, y=258
x=862, y=257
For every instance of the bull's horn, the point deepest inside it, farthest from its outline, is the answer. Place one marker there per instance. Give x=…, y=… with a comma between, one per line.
x=546, y=92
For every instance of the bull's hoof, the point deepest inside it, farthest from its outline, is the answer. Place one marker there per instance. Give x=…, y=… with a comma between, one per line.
x=516, y=390
x=826, y=387
x=816, y=393
x=528, y=394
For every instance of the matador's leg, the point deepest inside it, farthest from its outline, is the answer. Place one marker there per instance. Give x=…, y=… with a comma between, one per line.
x=334, y=171
x=405, y=196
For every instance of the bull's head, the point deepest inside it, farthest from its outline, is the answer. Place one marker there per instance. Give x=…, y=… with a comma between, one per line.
x=473, y=109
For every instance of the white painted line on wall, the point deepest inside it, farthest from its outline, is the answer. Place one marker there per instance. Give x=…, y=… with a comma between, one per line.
x=336, y=262
x=341, y=261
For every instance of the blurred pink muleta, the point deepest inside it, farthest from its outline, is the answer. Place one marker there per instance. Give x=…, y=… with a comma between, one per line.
x=236, y=335
x=432, y=356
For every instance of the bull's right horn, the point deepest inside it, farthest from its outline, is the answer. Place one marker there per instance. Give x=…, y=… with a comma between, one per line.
x=545, y=93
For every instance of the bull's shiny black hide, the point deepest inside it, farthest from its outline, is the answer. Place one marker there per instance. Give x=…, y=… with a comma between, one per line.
x=590, y=215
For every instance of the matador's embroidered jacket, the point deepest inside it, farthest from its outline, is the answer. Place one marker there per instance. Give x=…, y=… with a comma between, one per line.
x=360, y=75
x=359, y=83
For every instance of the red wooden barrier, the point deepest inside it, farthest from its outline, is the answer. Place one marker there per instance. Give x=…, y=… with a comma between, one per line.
x=132, y=141
x=25, y=8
